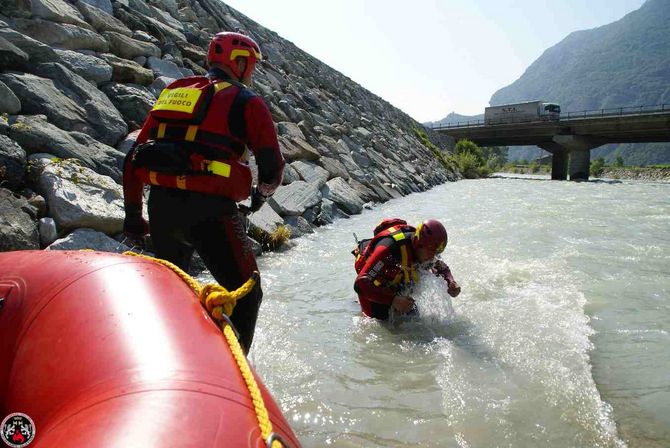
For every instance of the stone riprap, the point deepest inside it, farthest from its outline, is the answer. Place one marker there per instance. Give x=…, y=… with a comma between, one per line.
x=78, y=77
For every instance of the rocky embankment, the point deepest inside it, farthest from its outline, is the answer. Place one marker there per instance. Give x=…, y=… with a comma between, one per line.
x=637, y=173
x=77, y=78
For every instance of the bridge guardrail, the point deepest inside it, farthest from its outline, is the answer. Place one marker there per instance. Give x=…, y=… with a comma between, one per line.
x=609, y=112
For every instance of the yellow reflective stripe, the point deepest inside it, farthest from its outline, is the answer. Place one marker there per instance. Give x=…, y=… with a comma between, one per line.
x=219, y=168
x=181, y=182
x=237, y=52
x=191, y=132
x=219, y=86
x=153, y=177
x=161, y=130
x=398, y=236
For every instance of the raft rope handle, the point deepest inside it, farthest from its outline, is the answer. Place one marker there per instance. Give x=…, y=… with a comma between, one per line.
x=218, y=301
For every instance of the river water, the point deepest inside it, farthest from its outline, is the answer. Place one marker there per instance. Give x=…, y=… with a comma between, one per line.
x=560, y=338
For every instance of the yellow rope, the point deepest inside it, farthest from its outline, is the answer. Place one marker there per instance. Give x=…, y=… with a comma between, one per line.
x=218, y=301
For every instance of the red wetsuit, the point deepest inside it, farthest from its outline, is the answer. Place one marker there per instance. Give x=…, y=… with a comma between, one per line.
x=183, y=220
x=384, y=275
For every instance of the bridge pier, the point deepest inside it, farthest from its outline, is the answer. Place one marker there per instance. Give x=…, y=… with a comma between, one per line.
x=573, y=149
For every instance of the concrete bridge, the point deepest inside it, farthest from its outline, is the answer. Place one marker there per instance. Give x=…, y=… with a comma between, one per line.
x=571, y=138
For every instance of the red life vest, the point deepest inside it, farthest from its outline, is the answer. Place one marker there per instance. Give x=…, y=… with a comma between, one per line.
x=395, y=228
x=190, y=144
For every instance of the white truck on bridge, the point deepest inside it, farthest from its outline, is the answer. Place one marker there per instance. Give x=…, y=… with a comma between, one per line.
x=520, y=112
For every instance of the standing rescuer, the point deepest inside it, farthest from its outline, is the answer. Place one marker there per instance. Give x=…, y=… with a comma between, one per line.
x=386, y=265
x=193, y=151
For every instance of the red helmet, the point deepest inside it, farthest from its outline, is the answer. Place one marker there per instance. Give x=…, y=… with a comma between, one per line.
x=226, y=47
x=432, y=236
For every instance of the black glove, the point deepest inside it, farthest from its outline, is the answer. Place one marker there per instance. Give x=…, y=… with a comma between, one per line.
x=134, y=226
x=257, y=199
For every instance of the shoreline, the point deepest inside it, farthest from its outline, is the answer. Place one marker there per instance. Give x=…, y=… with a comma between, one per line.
x=650, y=174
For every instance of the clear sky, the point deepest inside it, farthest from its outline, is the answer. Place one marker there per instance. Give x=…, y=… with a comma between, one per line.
x=431, y=57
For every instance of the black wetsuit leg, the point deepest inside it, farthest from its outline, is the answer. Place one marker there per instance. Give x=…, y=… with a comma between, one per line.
x=182, y=221
x=229, y=257
x=167, y=224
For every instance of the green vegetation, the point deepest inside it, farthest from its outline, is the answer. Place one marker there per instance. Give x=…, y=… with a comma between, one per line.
x=597, y=167
x=439, y=154
x=474, y=162
x=271, y=241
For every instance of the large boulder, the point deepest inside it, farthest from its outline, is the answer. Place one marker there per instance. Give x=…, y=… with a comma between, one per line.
x=68, y=100
x=295, y=198
x=79, y=197
x=128, y=71
x=165, y=68
x=334, y=167
x=127, y=48
x=311, y=173
x=36, y=135
x=11, y=56
x=9, y=103
x=341, y=193
x=88, y=239
x=297, y=149
x=36, y=51
x=104, y=5
x=57, y=11
x=63, y=35
x=132, y=100
x=18, y=228
x=12, y=162
x=102, y=20
x=265, y=220
x=88, y=67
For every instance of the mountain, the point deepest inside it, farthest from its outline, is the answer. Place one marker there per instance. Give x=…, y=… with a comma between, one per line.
x=625, y=63
x=454, y=118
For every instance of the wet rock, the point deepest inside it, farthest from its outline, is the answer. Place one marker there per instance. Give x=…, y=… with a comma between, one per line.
x=295, y=198
x=299, y=226
x=329, y=212
x=265, y=220
x=311, y=173
x=18, y=231
x=159, y=84
x=88, y=239
x=12, y=163
x=341, y=193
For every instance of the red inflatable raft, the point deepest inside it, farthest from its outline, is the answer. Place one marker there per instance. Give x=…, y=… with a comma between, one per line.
x=106, y=350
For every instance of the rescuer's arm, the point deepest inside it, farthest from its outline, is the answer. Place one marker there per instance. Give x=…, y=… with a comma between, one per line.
x=134, y=226
x=441, y=269
x=372, y=278
x=262, y=140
